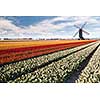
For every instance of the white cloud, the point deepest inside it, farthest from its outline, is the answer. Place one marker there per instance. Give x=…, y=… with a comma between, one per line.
x=97, y=29
x=45, y=28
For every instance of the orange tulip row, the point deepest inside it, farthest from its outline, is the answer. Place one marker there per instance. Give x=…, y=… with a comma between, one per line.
x=25, y=53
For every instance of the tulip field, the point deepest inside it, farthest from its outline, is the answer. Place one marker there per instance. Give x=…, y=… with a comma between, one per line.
x=50, y=61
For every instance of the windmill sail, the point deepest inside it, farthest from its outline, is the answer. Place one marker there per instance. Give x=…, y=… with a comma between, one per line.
x=77, y=26
x=86, y=32
x=75, y=34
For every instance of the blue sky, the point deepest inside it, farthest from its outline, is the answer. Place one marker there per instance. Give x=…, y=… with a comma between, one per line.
x=48, y=26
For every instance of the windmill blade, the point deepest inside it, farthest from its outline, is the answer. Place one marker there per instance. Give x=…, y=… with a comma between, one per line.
x=77, y=26
x=75, y=34
x=86, y=32
x=84, y=25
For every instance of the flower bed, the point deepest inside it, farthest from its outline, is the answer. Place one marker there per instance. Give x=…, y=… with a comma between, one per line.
x=16, y=54
x=56, y=71
x=91, y=73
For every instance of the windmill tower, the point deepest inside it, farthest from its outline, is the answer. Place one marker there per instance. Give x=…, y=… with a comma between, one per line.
x=81, y=31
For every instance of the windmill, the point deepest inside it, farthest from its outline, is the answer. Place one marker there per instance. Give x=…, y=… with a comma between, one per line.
x=80, y=31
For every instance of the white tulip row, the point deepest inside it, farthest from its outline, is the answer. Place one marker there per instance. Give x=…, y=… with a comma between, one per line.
x=58, y=70
x=13, y=70
x=91, y=73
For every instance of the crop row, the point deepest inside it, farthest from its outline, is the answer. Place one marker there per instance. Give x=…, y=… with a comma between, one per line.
x=91, y=73
x=13, y=70
x=43, y=47
x=28, y=52
x=59, y=70
x=16, y=56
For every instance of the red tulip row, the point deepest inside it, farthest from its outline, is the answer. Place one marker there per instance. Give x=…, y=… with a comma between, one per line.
x=43, y=47
x=17, y=54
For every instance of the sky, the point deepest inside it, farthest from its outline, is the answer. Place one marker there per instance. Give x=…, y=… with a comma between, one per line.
x=48, y=26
